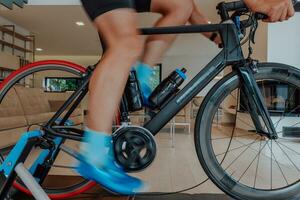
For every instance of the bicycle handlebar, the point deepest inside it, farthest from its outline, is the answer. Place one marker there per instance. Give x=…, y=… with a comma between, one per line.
x=225, y=7
x=235, y=5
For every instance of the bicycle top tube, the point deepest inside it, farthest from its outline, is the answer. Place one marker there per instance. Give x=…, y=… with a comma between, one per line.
x=181, y=29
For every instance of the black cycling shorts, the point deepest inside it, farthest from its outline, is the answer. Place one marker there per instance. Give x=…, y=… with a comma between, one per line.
x=95, y=8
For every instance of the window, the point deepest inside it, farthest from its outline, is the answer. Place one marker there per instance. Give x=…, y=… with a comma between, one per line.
x=4, y=73
x=61, y=84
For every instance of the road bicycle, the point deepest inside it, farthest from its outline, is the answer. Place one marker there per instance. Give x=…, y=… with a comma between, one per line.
x=251, y=153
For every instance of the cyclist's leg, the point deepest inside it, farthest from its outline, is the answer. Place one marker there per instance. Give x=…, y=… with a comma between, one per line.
x=118, y=28
x=198, y=17
x=174, y=13
x=124, y=46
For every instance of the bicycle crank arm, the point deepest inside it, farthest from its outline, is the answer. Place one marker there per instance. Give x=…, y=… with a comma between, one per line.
x=257, y=106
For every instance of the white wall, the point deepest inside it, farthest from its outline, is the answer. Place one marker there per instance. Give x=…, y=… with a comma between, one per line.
x=284, y=42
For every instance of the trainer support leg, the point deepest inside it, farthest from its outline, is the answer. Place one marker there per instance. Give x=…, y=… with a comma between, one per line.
x=17, y=155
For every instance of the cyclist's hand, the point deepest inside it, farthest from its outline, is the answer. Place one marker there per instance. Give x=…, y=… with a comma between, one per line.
x=277, y=10
x=214, y=37
x=218, y=40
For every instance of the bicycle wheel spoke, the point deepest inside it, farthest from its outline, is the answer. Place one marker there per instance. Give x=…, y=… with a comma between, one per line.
x=283, y=115
x=288, y=157
x=289, y=148
x=276, y=124
x=236, y=148
x=252, y=162
x=257, y=165
x=250, y=125
x=271, y=167
x=233, y=136
x=239, y=155
x=246, y=123
x=279, y=165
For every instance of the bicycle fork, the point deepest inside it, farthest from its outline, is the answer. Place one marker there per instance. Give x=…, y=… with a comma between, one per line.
x=255, y=103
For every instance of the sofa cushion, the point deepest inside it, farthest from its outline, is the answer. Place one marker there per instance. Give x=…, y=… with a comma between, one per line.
x=39, y=118
x=34, y=100
x=12, y=122
x=11, y=106
x=11, y=136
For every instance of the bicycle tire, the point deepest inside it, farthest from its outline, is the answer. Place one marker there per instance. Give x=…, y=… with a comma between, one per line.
x=222, y=177
x=10, y=81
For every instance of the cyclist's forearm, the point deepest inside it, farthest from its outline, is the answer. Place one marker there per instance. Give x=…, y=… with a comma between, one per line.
x=198, y=17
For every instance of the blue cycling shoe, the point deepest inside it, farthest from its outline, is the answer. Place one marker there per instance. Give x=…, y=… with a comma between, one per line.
x=97, y=163
x=146, y=77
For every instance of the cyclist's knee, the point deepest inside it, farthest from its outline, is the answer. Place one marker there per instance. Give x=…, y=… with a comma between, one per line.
x=184, y=9
x=128, y=47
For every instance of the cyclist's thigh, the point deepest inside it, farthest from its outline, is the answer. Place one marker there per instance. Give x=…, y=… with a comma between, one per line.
x=115, y=20
x=171, y=6
x=95, y=8
x=118, y=26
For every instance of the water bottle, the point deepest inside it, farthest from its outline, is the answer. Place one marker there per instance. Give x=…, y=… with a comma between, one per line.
x=167, y=88
x=132, y=93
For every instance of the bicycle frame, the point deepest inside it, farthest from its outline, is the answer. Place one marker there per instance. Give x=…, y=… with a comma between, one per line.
x=230, y=55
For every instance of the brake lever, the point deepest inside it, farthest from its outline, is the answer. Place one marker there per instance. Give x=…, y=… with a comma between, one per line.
x=253, y=33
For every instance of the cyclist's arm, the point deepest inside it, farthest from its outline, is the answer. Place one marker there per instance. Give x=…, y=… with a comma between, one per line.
x=277, y=10
x=198, y=17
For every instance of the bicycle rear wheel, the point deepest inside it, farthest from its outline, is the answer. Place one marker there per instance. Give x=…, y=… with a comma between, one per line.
x=240, y=161
x=29, y=97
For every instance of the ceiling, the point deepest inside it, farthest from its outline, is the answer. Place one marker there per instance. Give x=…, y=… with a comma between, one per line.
x=57, y=33
x=55, y=29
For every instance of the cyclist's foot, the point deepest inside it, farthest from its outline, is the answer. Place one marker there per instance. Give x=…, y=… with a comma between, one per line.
x=146, y=78
x=97, y=163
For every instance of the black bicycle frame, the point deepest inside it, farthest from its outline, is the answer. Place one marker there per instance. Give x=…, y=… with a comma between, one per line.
x=231, y=54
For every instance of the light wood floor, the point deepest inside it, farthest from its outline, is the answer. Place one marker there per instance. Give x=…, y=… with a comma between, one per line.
x=178, y=168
